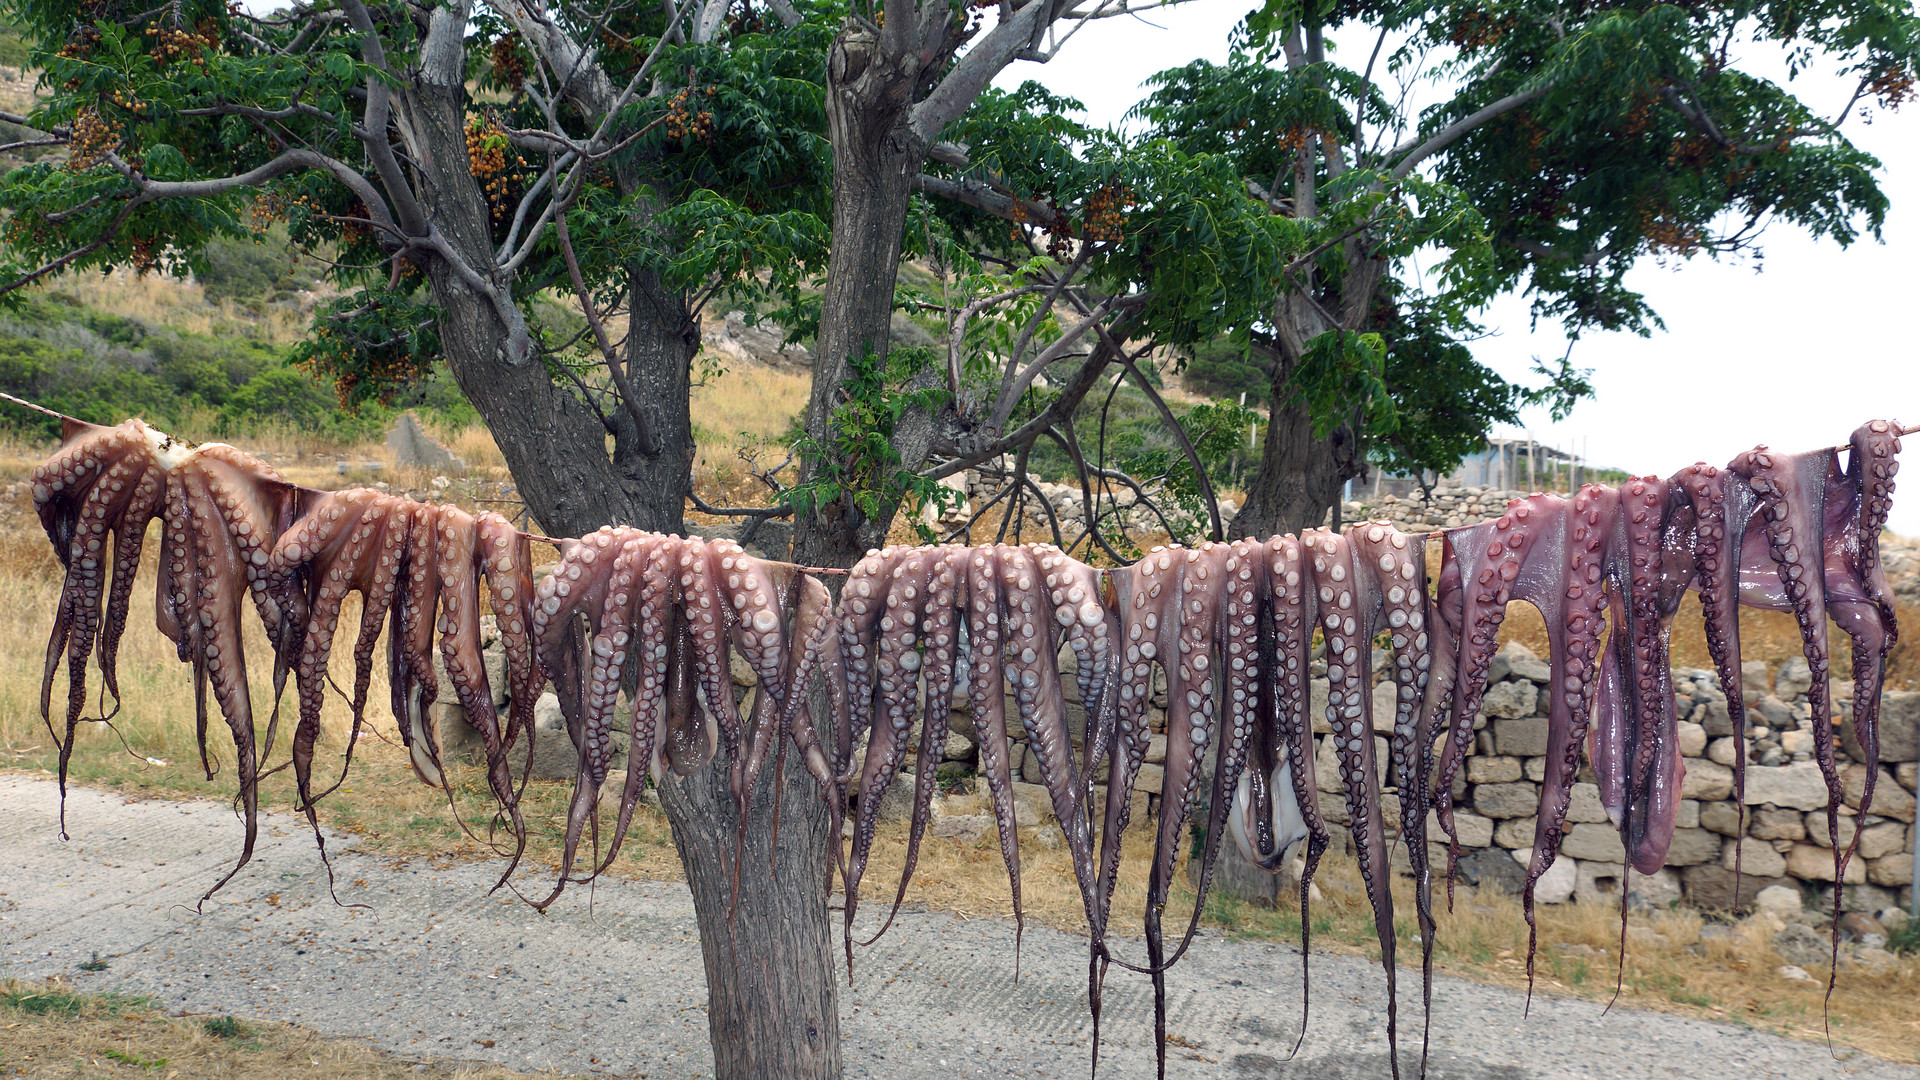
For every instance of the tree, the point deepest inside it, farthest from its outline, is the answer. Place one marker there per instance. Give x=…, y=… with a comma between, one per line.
x=456, y=165
x=1571, y=142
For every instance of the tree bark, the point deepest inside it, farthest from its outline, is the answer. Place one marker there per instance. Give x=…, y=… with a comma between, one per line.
x=1300, y=476
x=772, y=989
x=876, y=155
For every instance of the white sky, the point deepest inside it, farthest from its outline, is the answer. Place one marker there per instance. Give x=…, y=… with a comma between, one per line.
x=1795, y=357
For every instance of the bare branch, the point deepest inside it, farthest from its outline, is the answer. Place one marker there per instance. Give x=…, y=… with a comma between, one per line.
x=983, y=196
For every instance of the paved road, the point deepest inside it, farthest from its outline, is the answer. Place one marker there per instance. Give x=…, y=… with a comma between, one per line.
x=616, y=987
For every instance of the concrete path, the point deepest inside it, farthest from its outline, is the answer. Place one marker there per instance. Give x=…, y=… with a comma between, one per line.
x=615, y=986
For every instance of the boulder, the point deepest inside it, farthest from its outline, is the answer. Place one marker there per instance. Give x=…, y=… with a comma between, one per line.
x=1889, y=798
x=1506, y=800
x=1776, y=713
x=1595, y=842
x=1599, y=883
x=1894, y=871
x=1585, y=805
x=1709, y=782
x=1800, y=945
x=1692, y=738
x=1510, y=701
x=1493, y=869
x=1781, y=900
x=1720, y=751
x=1899, y=729
x=1882, y=839
x=1711, y=887
x=1515, y=833
x=1793, y=679
x=1720, y=817
x=1718, y=721
x=1493, y=769
x=1811, y=863
x=1032, y=806
x=1557, y=884
x=1151, y=779
x=1754, y=679
x=1474, y=831
x=1157, y=750
x=1535, y=671
x=1691, y=847
x=1757, y=858
x=1689, y=814
x=1521, y=738
x=1817, y=828
x=1766, y=824
x=1798, y=786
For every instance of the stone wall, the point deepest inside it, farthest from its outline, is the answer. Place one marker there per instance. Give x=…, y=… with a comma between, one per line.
x=1497, y=793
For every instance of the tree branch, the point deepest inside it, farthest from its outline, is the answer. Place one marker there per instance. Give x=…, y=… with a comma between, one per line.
x=1415, y=153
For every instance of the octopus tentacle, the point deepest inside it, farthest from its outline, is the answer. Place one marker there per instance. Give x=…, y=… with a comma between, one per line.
x=1349, y=602
x=1857, y=595
x=412, y=682
x=1397, y=563
x=1091, y=631
x=1722, y=505
x=647, y=555
x=507, y=562
x=986, y=660
x=898, y=691
x=939, y=636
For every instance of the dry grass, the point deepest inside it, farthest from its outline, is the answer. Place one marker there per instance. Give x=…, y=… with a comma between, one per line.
x=744, y=411
x=51, y=1032
x=160, y=300
x=394, y=815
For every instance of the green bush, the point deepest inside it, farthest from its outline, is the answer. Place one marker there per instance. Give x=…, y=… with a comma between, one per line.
x=1222, y=369
x=252, y=270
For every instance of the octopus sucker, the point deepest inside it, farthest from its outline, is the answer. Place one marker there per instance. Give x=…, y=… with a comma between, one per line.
x=986, y=657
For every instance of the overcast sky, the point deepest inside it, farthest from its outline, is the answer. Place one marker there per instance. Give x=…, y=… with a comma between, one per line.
x=1795, y=357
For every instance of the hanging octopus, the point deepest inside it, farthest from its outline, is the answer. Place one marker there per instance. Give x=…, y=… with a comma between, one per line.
x=1231, y=628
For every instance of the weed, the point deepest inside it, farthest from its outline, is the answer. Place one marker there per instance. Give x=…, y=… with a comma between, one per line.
x=225, y=1027
x=95, y=964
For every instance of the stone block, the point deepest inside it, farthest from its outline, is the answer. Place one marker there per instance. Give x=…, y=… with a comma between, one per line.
x=1475, y=831
x=1883, y=839
x=1510, y=701
x=1591, y=841
x=1782, y=900
x=1894, y=871
x=1811, y=863
x=1506, y=800
x=1157, y=750
x=1585, y=805
x=1776, y=824
x=1535, y=769
x=1599, y=883
x=1326, y=768
x=1151, y=780
x=1535, y=671
x=1817, y=828
x=1720, y=751
x=1889, y=798
x=1797, y=786
x=1772, y=711
x=1032, y=806
x=1492, y=869
x=1793, y=679
x=1796, y=742
x=1720, y=817
x=1908, y=774
x=1718, y=721
x=1316, y=705
x=495, y=661
x=1386, y=699
x=1515, y=833
x=1492, y=770
x=1711, y=887
x=1689, y=814
x=1754, y=679
x=1521, y=738
x=1757, y=858
x=1691, y=847
x=1708, y=782
x=1899, y=729
x=1693, y=739
x=966, y=828
x=1556, y=885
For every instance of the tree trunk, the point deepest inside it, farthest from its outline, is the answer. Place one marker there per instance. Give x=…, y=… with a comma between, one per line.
x=875, y=157
x=1300, y=476
x=772, y=987
x=772, y=993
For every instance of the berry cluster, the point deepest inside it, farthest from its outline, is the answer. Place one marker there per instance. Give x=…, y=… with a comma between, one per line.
x=487, y=150
x=509, y=63
x=686, y=120
x=94, y=136
x=1105, y=218
x=1893, y=87
x=170, y=44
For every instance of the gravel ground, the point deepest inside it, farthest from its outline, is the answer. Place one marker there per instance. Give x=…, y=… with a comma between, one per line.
x=612, y=984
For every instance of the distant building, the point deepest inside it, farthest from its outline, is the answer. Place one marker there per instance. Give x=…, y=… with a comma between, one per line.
x=1501, y=464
